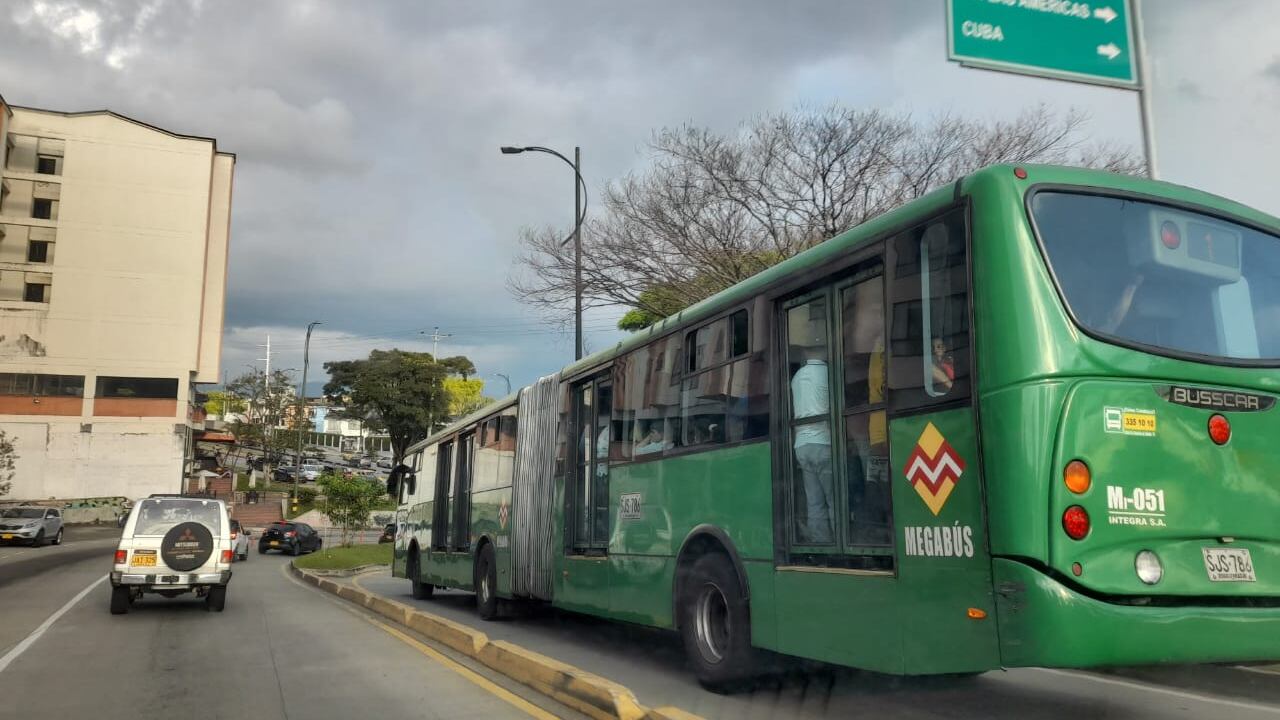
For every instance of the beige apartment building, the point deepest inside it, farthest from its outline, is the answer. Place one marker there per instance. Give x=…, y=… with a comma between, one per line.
x=113, y=263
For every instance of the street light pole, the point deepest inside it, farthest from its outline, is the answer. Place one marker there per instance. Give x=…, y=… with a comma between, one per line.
x=577, y=254
x=301, y=410
x=579, y=214
x=505, y=379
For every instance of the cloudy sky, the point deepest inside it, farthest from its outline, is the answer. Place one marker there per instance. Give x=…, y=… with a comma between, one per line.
x=369, y=190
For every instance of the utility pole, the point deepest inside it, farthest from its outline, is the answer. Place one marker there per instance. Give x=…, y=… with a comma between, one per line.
x=436, y=336
x=267, y=419
x=300, y=415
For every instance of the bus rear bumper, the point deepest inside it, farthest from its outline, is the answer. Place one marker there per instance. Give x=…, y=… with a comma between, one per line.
x=1045, y=623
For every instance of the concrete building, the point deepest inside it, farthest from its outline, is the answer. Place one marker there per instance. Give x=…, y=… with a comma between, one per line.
x=113, y=262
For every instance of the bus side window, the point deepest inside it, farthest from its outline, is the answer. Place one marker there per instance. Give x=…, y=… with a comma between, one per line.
x=929, y=334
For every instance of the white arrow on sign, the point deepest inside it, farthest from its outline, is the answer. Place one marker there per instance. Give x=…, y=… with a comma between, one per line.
x=1109, y=51
x=1106, y=14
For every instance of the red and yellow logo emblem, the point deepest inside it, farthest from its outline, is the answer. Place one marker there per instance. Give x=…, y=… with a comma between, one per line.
x=934, y=468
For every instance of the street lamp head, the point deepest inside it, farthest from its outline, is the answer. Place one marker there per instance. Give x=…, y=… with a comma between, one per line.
x=511, y=150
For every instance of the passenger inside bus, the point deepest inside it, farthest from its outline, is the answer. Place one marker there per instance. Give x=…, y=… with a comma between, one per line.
x=810, y=398
x=652, y=441
x=944, y=367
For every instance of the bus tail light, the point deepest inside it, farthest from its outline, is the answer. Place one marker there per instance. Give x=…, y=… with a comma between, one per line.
x=1219, y=429
x=1170, y=236
x=1076, y=476
x=1075, y=521
x=121, y=556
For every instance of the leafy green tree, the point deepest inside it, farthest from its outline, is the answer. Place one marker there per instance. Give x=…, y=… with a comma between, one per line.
x=349, y=501
x=221, y=402
x=8, y=463
x=459, y=365
x=465, y=396
x=397, y=391
x=264, y=410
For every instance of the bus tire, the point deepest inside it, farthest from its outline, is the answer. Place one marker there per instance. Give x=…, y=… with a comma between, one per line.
x=420, y=590
x=487, y=584
x=715, y=623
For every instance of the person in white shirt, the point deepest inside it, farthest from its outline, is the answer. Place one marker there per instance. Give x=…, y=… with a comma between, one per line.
x=811, y=397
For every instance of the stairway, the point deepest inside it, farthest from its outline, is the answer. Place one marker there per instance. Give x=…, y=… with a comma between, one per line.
x=258, y=515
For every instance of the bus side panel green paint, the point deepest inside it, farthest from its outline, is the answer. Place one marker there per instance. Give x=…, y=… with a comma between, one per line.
x=840, y=618
x=944, y=566
x=449, y=569
x=729, y=489
x=1019, y=425
x=487, y=522
x=1044, y=623
x=762, y=577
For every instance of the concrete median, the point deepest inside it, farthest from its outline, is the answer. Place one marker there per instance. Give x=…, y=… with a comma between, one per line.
x=583, y=691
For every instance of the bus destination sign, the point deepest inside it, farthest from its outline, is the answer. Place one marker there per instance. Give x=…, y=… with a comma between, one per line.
x=1083, y=41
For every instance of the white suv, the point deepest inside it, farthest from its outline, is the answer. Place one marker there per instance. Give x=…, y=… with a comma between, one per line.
x=173, y=545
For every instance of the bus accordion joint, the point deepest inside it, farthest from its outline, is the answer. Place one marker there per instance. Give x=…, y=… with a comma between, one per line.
x=977, y=614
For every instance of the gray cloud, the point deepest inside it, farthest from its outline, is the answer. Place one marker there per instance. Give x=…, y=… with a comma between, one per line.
x=369, y=190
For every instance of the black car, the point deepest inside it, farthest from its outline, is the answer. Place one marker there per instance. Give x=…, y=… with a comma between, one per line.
x=284, y=474
x=291, y=537
x=388, y=534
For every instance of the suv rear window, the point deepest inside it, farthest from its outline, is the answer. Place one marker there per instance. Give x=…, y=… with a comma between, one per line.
x=157, y=515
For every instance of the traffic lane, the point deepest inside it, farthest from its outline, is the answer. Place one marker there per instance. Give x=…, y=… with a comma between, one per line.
x=79, y=543
x=27, y=600
x=652, y=664
x=279, y=650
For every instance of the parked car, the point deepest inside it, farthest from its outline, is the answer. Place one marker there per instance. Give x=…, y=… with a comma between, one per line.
x=31, y=524
x=294, y=538
x=385, y=464
x=239, y=541
x=283, y=474
x=312, y=471
x=388, y=534
x=173, y=545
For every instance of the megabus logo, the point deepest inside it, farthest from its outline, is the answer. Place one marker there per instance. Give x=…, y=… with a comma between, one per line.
x=933, y=468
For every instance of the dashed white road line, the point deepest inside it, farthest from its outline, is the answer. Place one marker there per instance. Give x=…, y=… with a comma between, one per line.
x=1245, y=705
x=30, y=640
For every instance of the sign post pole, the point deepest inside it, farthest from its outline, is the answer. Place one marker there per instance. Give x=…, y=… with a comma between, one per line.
x=1144, y=90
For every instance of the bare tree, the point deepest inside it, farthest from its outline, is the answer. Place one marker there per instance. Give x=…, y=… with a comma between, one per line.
x=714, y=209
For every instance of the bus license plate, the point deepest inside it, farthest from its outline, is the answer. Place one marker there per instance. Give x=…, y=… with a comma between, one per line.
x=1228, y=564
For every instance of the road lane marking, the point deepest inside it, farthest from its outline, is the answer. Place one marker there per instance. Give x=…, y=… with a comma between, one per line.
x=476, y=678
x=1273, y=709
x=30, y=640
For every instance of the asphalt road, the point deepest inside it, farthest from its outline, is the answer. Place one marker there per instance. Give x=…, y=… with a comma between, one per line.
x=280, y=650
x=78, y=543
x=652, y=664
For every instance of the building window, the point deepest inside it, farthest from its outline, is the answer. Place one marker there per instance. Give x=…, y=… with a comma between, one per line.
x=36, y=292
x=43, y=385
x=42, y=208
x=38, y=251
x=46, y=165
x=132, y=387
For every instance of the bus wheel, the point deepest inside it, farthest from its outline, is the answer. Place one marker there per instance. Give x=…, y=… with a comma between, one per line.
x=421, y=590
x=716, y=626
x=486, y=584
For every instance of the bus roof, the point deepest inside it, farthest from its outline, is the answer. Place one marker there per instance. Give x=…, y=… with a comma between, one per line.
x=822, y=253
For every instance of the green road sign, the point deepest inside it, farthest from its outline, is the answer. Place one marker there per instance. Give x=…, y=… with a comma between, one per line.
x=1084, y=41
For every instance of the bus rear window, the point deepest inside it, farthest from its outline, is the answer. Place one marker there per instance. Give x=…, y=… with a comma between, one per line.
x=1163, y=277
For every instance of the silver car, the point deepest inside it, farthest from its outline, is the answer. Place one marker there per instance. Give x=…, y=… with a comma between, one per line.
x=31, y=524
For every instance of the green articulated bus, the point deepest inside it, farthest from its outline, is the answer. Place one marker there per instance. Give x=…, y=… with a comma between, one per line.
x=1028, y=419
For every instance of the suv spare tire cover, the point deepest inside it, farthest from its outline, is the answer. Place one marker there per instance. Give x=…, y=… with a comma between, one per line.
x=186, y=546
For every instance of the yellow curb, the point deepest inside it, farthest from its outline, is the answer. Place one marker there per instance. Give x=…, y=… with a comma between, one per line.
x=583, y=691
x=670, y=713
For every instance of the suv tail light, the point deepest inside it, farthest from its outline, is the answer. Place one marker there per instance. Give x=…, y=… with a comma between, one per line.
x=226, y=556
x=291, y=533
x=121, y=556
